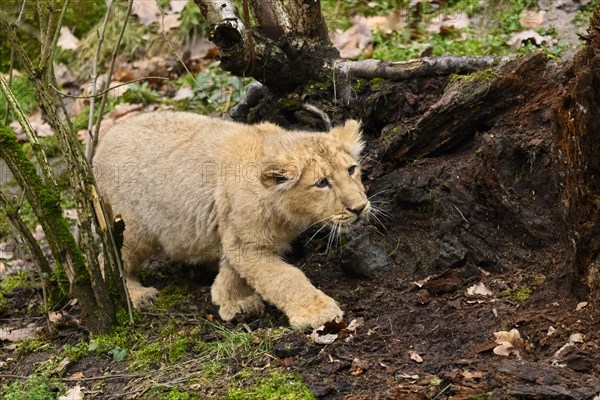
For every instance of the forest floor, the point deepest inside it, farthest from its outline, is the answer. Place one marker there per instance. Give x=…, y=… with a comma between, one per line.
x=463, y=302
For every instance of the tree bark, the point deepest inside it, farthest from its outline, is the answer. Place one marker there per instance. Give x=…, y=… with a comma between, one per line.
x=578, y=130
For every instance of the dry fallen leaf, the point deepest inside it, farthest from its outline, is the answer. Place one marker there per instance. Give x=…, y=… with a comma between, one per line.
x=358, y=367
x=66, y=39
x=288, y=361
x=168, y=22
x=415, y=356
x=13, y=335
x=146, y=11
x=507, y=343
x=41, y=127
x=74, y=393
x=581, y=306
x=54, y=317
x=327, y=338
x=479, y=289
x=532, y=19
x=184, y=92
x=7, y=250
x=76, y=375
x=472, y=375
x=177, y=6
x=576, y=338
x=529, y=36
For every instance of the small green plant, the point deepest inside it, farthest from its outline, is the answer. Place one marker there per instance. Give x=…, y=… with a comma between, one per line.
x=35, y=387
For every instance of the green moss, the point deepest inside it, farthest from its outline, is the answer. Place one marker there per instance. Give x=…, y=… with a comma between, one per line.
x=274, y=386
x=290, y=103
x=483, y=75
x=46, y=205
x=314, y=88
x=377, y=83
x=32, y=345
x=12, y=282
x=4, y=226
x=482, y=396
x=35, y=387
x=169, y=298
x=520, y=294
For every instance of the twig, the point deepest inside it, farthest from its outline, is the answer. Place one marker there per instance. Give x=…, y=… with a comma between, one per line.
x=16, y=220
x=12, y=61
x=96, y=135
x=47, y=65
x=89, y=137
x=57, y=90
x=319, y=113
x=461, y=214
x=103, y=378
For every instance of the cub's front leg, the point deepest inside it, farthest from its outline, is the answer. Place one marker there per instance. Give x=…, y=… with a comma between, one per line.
x=233, y=295
x=285, y=286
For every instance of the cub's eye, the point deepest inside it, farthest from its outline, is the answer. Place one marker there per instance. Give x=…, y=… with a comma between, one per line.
x=352, y=170
x=321, y=183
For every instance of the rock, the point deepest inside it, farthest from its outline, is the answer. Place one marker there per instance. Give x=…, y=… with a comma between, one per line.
x=363, y=257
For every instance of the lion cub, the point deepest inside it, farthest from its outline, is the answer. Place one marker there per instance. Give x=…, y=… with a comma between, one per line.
x=205, y=190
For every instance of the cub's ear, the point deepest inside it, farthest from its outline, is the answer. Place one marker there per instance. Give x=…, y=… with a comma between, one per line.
x=351, y=135
x=284, y=176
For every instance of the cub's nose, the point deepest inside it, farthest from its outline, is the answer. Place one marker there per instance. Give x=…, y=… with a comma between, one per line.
x=357, y=210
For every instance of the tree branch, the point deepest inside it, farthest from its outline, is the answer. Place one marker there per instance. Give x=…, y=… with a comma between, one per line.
x=419, y=68
x=31, y=135
x=36, y=252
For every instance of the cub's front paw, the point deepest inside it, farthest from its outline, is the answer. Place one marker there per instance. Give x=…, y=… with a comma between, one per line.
x=249, y=305
x=315, y=312
x=142, y=297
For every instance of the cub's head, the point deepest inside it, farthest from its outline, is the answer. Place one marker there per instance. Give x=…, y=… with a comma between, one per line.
x=316, y=178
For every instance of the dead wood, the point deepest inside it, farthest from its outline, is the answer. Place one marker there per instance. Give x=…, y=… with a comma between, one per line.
x=289, y=46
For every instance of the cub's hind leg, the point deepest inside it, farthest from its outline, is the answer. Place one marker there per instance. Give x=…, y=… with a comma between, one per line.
x=233, y=295
x=137, y=248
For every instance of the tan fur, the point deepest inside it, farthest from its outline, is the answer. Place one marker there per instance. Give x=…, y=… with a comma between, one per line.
x=205, y=190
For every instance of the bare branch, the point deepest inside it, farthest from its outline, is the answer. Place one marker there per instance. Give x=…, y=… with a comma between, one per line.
x=12, y=60
x=36, y=252
x=96, y=135
x=90, y=136
x=419, y=68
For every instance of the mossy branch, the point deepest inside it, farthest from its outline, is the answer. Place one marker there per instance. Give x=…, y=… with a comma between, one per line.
x=31, y=135
x=46, y=206
x=12, y=212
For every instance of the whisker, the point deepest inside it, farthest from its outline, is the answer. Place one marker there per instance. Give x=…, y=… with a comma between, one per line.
x=315, y=234
x=380, y=192
x=315, y=223
x=383, y=215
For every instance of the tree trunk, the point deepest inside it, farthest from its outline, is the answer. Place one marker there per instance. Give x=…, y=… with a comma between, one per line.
x=476, y=171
